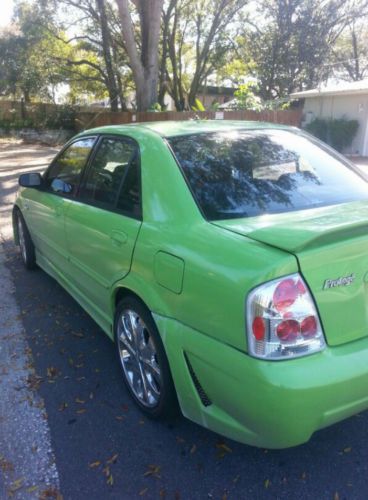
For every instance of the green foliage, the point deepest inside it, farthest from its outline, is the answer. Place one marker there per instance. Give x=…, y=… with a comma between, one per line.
x=63, y=117
x=28, y=49
x=338, y=133
x=40, y=118
x=290, y=42
x=246, y=98
x=156, y=107
x=199, y=106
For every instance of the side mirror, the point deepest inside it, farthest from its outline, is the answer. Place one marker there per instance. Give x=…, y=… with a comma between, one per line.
x=32, y=179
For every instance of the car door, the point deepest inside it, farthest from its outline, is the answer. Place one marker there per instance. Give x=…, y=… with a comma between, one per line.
x=45, y=208
x=103, y=223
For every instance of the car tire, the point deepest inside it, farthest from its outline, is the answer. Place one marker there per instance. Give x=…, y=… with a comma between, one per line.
x=142, y=357
x=27, y=248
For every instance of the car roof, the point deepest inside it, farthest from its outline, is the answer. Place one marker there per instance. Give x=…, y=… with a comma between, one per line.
x=187, y=127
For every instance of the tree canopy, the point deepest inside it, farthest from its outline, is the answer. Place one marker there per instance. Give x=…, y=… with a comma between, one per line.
x=136, y=53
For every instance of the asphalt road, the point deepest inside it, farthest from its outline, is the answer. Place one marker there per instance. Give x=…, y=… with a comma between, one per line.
x=102, y=445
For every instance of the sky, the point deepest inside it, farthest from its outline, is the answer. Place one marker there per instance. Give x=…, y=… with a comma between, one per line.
x=6, y=12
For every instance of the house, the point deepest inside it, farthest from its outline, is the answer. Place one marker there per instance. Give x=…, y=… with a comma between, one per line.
x=209, y=95
x=344, y=100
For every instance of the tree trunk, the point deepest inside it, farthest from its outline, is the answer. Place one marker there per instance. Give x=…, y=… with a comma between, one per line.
x=144, y=63
x=106, y=44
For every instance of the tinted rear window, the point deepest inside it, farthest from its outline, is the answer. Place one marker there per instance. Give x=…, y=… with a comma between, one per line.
x=255, y=172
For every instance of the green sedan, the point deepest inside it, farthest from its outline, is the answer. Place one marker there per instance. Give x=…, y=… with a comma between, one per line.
x=227, y=260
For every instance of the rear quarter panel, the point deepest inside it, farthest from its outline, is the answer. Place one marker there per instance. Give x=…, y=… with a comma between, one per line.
x=218, y=268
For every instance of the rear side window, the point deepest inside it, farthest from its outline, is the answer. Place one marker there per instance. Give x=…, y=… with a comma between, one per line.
x=65, y=172
x=113, y=179
x=254, y=172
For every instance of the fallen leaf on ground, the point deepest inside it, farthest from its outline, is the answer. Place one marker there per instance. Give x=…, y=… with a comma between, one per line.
x=16, y=485
x=31, y=489
x=78, y=334
x=153, y=470
x=113, y=459
x=52, y=372
x=94, y=464
x=143, y=492
x=50, y=493
x=224, y=447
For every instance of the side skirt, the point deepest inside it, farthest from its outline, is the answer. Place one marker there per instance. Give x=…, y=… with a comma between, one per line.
x=102, y=319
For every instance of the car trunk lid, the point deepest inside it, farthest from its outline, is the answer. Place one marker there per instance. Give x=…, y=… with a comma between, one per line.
x=331, y=245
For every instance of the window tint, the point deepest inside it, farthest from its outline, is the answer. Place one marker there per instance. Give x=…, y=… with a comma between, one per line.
x=113, y=179
x=249, y=173
x=65, y=172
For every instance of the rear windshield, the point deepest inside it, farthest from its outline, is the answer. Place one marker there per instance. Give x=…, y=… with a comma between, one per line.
x=254, y=172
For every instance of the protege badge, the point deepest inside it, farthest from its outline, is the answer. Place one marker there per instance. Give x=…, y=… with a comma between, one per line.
x=343, y=281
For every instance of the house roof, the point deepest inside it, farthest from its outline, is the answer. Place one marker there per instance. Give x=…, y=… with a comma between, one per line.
x=212, y=90
x=345, y=88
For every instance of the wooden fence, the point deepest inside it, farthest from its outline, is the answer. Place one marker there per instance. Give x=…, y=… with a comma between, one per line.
x=10, y=110
x=87, y=120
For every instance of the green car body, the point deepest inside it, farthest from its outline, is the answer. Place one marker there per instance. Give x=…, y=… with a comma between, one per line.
x=195, y=275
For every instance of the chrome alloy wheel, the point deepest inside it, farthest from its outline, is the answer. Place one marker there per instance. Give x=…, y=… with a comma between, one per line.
x=138, y=358
x=22, y=240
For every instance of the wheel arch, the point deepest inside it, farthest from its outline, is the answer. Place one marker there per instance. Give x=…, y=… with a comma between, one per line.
x=148, y=295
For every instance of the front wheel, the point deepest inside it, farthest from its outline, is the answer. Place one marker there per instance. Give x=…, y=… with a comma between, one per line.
x=27, y=249
x=143, y=360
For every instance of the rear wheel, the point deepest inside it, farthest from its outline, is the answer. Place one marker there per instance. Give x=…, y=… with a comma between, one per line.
x=143, y=360
x=27, y=249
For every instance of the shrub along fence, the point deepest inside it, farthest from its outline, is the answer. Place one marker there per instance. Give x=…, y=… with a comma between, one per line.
x=15, y=116
x=88, y=119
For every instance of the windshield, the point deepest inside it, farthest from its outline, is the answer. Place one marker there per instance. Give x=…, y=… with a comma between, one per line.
x=245, y=173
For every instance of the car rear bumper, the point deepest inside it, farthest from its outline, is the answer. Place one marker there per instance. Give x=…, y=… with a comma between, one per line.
x=263, y=403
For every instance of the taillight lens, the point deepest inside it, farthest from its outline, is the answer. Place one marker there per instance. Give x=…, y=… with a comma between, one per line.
x=282, y=320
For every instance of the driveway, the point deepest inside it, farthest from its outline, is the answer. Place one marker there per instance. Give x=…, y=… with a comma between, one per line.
x=97, y=445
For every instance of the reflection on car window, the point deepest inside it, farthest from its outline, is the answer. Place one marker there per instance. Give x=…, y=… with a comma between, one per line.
x=64, y=174
x=112, y=179
x=249, y=173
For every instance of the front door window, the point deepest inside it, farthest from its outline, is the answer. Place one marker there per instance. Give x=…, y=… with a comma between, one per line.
x=65, y=172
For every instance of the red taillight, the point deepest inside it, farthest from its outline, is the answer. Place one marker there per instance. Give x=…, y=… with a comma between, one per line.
x=285, y=294
x=258, y=328
x=308, y=327
x=288, y=330
x=282, y=320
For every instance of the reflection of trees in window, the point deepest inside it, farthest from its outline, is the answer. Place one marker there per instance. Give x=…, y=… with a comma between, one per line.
x=240, y=174
x=112, y=179
x=69, y=165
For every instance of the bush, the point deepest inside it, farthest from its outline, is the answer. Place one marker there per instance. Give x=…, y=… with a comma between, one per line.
x=338, y=133
x=40, y=118
x=15, y=123
x=62, y=117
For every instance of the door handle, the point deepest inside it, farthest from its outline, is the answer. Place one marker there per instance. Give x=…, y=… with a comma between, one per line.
x=118, y=238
